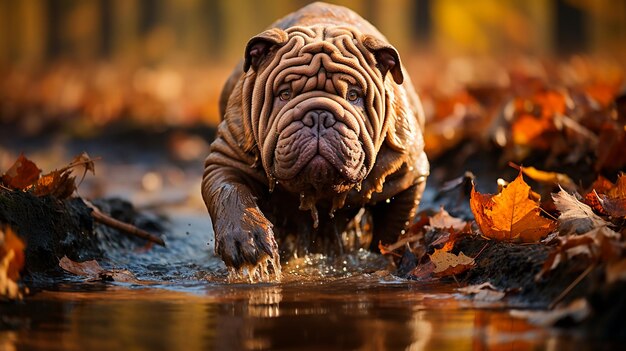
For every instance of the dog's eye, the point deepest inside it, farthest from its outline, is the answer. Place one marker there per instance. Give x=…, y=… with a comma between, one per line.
x=284, y=94
x=353, y=95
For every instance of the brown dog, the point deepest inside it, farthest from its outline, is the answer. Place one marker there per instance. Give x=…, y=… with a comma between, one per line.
x=320, y=117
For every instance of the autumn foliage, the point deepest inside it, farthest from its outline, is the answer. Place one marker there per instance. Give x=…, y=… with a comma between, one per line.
x=510, y=215
x=25, y=175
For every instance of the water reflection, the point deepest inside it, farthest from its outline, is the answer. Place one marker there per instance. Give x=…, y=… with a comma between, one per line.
x=355, y=313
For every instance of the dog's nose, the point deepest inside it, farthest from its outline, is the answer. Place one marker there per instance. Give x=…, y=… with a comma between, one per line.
x=318, y=118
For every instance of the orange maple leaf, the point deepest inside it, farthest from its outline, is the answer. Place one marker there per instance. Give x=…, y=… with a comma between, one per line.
x=510, y=215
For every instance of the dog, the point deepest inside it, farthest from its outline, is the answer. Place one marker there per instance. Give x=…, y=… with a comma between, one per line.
x=319, y=120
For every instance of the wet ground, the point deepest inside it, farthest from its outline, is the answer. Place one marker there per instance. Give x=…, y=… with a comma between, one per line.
x=185, y=303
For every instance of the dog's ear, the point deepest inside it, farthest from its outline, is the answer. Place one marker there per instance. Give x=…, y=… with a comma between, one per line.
x=261, y=45
x=387, y=58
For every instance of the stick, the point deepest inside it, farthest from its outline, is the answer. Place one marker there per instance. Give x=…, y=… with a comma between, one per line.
x=122, y=226
x=571, y=286
x=398, y=244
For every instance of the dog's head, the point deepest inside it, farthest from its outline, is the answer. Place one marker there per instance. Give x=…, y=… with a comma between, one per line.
x=318, y=105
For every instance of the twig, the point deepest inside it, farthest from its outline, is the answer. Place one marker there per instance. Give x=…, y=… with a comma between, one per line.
x=481, y=251
x=458, y=285
x=571, y=286
x=122, y=226
x=398, y=244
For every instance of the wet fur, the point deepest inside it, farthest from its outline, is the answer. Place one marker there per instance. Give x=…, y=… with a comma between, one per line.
x=235, y=187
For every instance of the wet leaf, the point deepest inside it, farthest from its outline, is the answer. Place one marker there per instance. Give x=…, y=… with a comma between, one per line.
x=87, y=268
x=94, y=272
x=483, y=292
x=575, y=216
x=443, y=220
x=511, y=214
x=447, y=263
x=22, y=174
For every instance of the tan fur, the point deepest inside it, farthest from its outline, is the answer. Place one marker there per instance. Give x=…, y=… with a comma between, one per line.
x=238, y=167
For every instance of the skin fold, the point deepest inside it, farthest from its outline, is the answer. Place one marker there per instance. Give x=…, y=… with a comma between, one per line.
x=319, y=121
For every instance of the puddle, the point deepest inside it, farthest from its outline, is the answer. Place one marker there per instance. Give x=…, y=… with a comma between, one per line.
x=345, y=304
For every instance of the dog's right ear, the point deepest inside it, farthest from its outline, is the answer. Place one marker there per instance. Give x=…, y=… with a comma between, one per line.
x=259, y=46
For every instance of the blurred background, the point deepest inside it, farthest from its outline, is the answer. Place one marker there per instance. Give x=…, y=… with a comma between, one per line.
x=89, y=70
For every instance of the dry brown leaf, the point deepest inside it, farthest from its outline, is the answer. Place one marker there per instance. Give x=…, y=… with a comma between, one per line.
x=447, y=263
x=56, y=183
x=598, y=243
x=83, y=160
x=614, y=201
x=511, y=214
x=575, y=217
x=22, y=174
x=443, y=220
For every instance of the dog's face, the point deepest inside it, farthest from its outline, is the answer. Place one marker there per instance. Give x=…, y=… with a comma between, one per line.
x=318, y=105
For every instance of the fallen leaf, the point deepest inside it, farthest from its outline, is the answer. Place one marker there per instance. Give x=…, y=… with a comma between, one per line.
x=614, y=201
x=552, y=178
x=511, y=214
x=529, y=130
x=22, y=174
x=118, y=275
x=443, y=220
x=575, y=217
x=577, y=310
x=599, y=243
x=87, y=268
x=423, y=271
x=94, y=272
x=447, y=263
x=483, y=292
x=56, y=183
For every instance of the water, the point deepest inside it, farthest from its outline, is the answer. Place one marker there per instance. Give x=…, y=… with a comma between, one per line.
x=186, y=303
x=346, y=303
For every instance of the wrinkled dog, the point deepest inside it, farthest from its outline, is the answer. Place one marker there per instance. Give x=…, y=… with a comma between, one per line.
x=319, y=121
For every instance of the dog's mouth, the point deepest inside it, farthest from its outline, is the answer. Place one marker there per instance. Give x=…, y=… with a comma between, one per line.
x=320, y=153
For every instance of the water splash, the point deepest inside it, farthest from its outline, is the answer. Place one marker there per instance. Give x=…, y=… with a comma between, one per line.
x=266, y=271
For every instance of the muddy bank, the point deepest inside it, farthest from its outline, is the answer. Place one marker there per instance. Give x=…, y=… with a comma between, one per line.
x=53, y=228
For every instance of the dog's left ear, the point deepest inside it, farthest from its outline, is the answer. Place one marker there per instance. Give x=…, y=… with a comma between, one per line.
x=387, y=58
x=261, y=45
